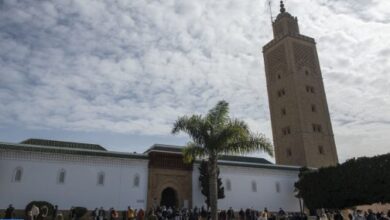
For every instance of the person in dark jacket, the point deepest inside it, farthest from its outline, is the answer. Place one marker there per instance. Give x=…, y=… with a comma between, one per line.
x=230, y=214
x=241, y=214
x=203, y=213
x=247, y=214
x=9, y=212
x=338, y=216
x=223, y=215
x=94, y=214
x=371, y=215
x=55, y=212
x=383, y=216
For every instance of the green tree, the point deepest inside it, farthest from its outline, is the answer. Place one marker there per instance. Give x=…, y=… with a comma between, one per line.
x=217, y=134
x=356, y=182
x=204, y=182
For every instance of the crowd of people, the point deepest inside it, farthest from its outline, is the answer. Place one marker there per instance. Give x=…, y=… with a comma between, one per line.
x=354, y=215
x=172, y=213
x=112, y=214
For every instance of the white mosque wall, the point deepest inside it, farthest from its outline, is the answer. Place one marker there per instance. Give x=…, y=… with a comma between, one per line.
x=40, y=180
x=242, y=195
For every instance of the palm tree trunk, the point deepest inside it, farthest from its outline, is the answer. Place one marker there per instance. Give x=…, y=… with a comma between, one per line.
x=213, y=187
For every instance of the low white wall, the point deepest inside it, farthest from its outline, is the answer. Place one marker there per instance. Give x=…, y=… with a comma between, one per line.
x=241, y=194
x=40, y=180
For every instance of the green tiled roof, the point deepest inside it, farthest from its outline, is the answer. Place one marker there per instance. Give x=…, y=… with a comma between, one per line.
x=67, y=150
x=232, y=158
x=229, y=160
x=165, y=148
x=259, y=165
x=244, y=159
x=54, y=143
x=61, y=148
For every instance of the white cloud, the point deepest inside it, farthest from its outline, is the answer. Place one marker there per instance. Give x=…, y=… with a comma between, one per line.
x=135, y=66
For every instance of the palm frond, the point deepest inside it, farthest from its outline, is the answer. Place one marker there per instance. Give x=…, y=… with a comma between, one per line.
x=231, y=131
x=194, y=126
x=193, y=151
x=219, y=114
x=252, y=143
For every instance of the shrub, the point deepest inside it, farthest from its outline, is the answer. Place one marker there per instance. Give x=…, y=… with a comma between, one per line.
x=42, y=205
x=80, y=211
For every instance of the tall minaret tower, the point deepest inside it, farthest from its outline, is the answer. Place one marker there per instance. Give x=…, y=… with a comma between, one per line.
x=301, y=125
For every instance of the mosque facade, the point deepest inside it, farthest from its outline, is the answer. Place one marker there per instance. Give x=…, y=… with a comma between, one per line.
x=78, y=174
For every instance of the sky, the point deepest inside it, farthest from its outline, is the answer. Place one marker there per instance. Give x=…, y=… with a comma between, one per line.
x=119, y=73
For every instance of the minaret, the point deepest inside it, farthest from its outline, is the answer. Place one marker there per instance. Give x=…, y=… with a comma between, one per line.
x=301, y=125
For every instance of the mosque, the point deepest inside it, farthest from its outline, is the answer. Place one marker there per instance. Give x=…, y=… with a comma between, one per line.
x=80, y=174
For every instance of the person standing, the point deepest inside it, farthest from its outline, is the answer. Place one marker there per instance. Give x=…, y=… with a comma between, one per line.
x=338, y=216
x=371, y=215
x=358, y=215
x=241, y=214
x=263, y=216
x=140, y=214
x=253, y=214
x=266, y=213
x=230, y=214
x=130, y=213
x=224, y=215
x=94, y=214
x=102, y=214
x=247, y=214
x=203, y=213
x=111, y=214
x=55, y=211
x=152, y=216
x=323, y=215
x=71, y=213
x=9, y=212
x=114, y=214
x=383, y=216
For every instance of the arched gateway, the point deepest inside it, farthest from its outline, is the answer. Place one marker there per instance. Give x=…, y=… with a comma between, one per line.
x=169, y=197
x=170, y=180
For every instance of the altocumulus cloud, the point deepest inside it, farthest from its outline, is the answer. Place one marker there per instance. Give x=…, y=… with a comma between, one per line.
x=135, y=66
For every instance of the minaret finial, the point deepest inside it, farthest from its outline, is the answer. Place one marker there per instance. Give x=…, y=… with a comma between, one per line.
x=282, y=9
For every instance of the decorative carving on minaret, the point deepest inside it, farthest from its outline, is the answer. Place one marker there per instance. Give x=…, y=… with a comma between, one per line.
x=278, y=29
x=304, y=57
x=277, y=61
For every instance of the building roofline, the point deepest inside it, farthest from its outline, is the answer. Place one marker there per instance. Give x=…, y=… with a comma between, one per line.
x=225, y=160
x=62, y=144
x=245, y=159
x=65, y=150
x=164, y=148
x=255, y=165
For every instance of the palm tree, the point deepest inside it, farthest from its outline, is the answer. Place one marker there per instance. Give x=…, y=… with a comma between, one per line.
x=217, y=134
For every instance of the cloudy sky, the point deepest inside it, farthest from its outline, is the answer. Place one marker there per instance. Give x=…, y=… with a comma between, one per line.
x=118, y=73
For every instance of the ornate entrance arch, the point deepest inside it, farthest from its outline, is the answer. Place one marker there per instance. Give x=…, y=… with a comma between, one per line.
x=169, y=198
x=170, y=180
